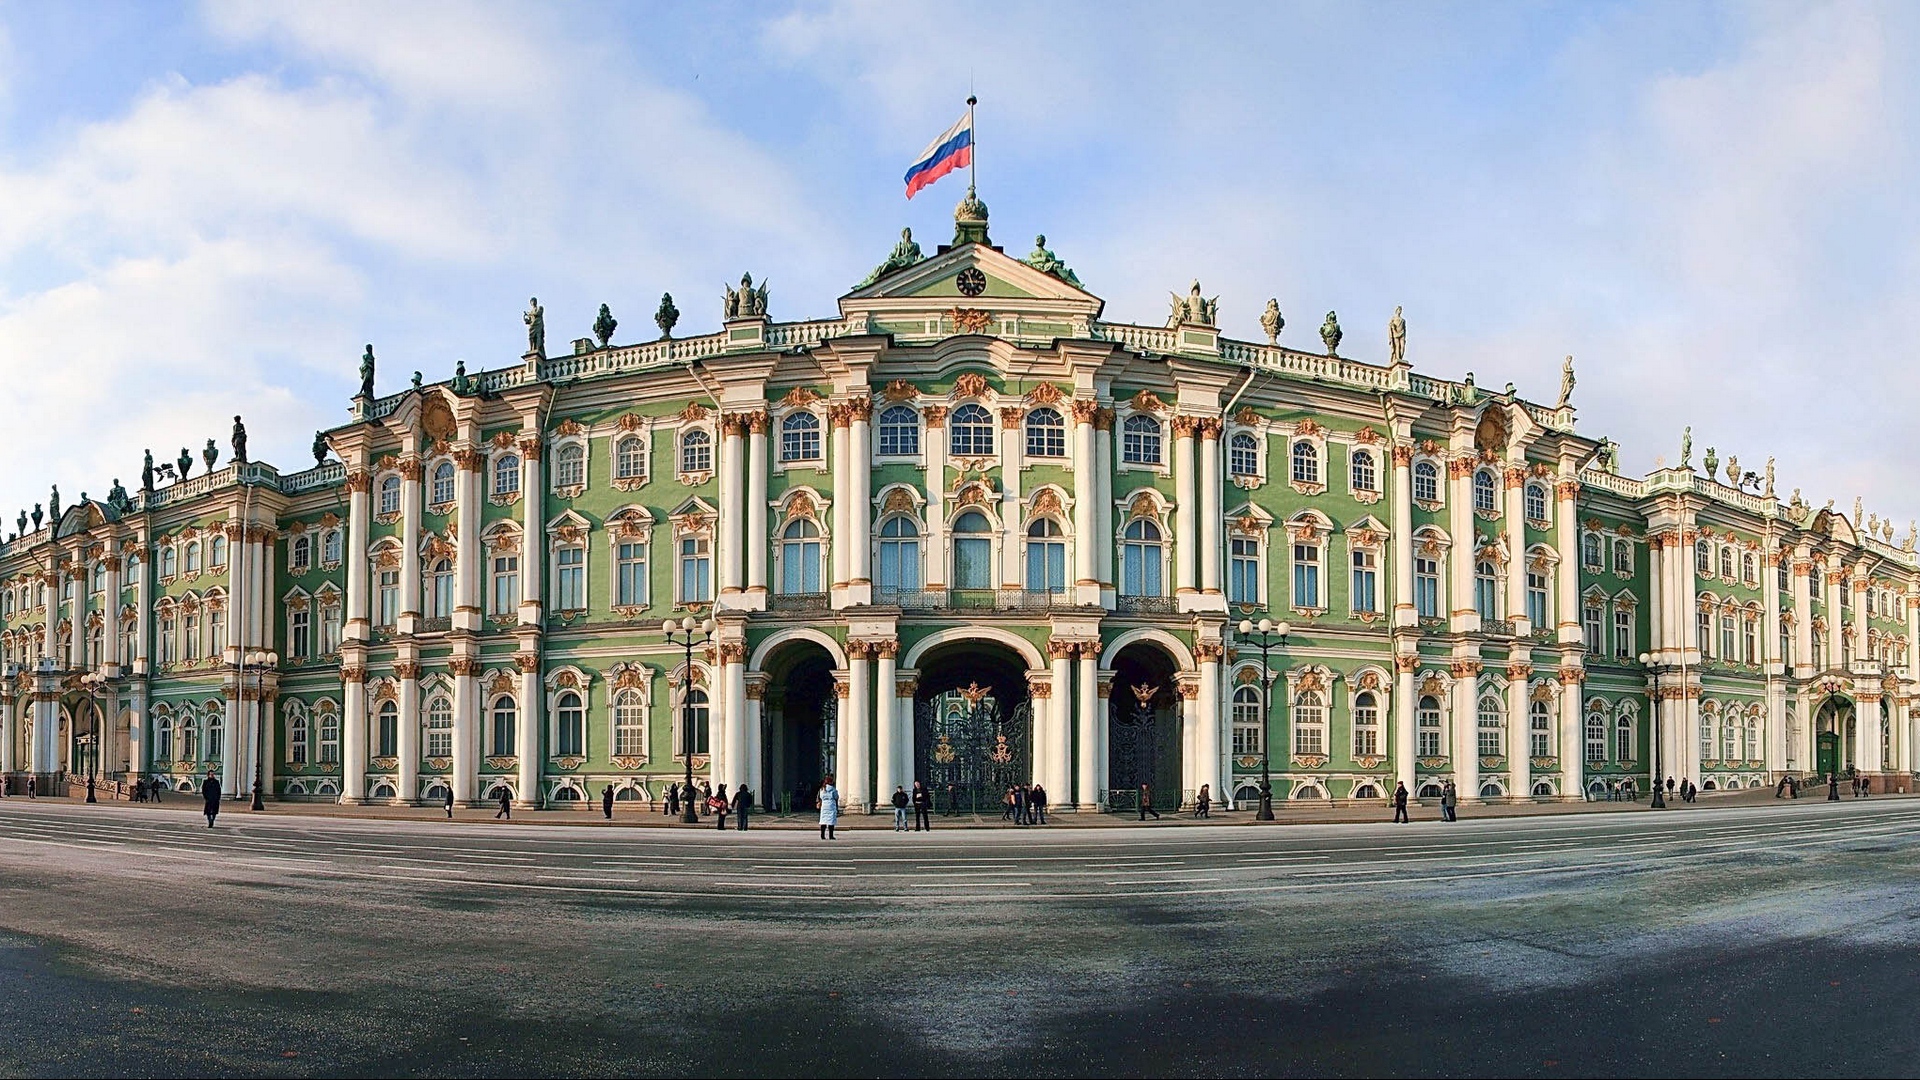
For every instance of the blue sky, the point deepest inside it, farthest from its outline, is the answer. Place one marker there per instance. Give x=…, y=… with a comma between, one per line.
x=209, y=209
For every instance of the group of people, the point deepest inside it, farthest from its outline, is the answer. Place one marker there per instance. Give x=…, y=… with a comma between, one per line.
x=1024, y=804
x=920, y=801
x=147, y=788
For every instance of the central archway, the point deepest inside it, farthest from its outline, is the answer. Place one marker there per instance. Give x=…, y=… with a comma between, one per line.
x=972, y=724
x=1144, y=739
x=799, y=724
x=1833, y=739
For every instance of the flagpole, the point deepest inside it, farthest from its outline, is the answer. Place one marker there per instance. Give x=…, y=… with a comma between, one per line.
x=973, y=148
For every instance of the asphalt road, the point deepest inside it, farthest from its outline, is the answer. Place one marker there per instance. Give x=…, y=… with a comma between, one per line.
x=1740, y=940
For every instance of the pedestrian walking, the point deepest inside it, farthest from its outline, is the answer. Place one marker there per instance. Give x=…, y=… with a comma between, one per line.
x=706, y=797
x=829, y=800
x=1204, y=802
x=742, y=803
x=506, y=806
x=922, y=807
x=1146, y=803
x=1448, y=799
x=721, y=804
x=1669, y=787
x=1866, y=787
x=1400, y=804
x=210, y=792
x=672, y=801
x=1007, y=806
x=1022, y=813
x=31, y=786
x=900, y=805
x=953, y=801
x=1037, y=804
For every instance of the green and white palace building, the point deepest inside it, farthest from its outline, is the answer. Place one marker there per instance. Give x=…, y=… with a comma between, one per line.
x=969, y=531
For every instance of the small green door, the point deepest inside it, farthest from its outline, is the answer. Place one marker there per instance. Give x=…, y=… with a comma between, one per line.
x=1828, y=757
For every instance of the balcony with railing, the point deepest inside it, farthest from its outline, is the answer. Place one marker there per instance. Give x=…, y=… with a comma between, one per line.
x=797, y=601
x=1144, y=605
x=973, y=600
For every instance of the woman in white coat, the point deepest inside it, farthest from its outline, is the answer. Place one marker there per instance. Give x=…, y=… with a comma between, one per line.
x=829, y=808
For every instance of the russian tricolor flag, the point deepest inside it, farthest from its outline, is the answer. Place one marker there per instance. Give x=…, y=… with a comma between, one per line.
x=952, y=150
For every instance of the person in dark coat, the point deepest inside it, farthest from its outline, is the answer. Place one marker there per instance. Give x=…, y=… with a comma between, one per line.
x=606, y=802
x=31, y=786
x=1146, y=803
x=210, y=791
x=506, y=806
x=900, y=805
x=922, y=807
x=1449, y=799
x=449, y=800
x=743, y=805
x=721, y=804
x=672, y=801
x=1037, y=804
x=1400, y=804
x=1204, y=801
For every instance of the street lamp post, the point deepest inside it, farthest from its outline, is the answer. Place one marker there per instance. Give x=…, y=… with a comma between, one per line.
x=1659, y=798
x=89, y=743
x=262, y=661
x=1271, y=635
x=683, y=633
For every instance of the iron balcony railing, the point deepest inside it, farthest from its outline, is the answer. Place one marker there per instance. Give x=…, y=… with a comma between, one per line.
x=973, y=599
x=808, y=601
x=1144, y=605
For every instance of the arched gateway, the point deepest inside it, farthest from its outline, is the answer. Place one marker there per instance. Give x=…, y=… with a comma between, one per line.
x=1834, y=736
x=972, y=725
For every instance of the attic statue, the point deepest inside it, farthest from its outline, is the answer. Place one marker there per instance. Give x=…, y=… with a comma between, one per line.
x=184, y=462
x=746, y=303
x=1272, y=321
x=536, y=320
x=1330, y=334
x=146, y=473
x=666, y=316
x=1193, y=308
x=239, y=441
x=117, y=497
x=366, y=373
x=319, y=448
x=904, y=254
x=1048, y=263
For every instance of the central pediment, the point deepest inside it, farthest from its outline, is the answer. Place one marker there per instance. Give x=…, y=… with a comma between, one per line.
x=987, y=286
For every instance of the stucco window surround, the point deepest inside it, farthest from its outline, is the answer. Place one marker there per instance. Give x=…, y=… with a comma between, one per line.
x=569, y=459
x=1047, y=504
x=1251, y=524
x=627, y=698
x=1367, y=538
x=789, y=435
x=898, y=539
x=802, y=540
x=440, y=485
x=568, y=687
x=1306, y=457
x=1428, y=478
x=1310, y=533
x=1142, y=409
x=1368, y=458
x=973, y=538
x=506, y=466
x=568, y=553
x=630, y=525
x=1369, y=696
x=1145, y=561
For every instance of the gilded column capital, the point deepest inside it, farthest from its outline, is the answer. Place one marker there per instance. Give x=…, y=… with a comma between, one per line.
x=1208, y=427
x=1402, y=455
x=1011, y=416
x=406, y=669
x=757, y=421
x=934, y=415
x=1183, y=426
x=359, y=481
x=531, y=447
x=1085, y=412
x=860, y=408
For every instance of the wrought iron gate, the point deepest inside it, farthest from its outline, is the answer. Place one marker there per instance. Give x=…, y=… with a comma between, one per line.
x=969, y=752
x=1143, y=747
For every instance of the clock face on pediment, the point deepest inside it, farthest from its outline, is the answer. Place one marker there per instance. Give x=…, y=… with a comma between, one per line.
x=971, y=281
x=975, y=278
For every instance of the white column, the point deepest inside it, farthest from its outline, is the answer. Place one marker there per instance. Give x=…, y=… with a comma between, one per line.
x=853, y=756
x=1573, y=743
x=1836, y=617
x=841, y=561
x=1086, y=506
x=1690, y=750
x=1191, y=768
x=751, y=773
x=466, y=728
x=886, y=725
x=1405, y=699
x=527, y=737
x=1514, y=523
x=1656, y=594
x=142, y=612
x=1186, y=511
x=1566, y=537
x=136, y=734
x=1211, y=516
x=1519, y=732
x=1040, y=696
x=936, y=448
x=409, y=741
x=1401, y=546
x=353, y=734
x=902, y=689
x=858, y=497
x=1803, y=659
x=533, y=545
x=110, y=627
x=757, y=505
x=1058, y=779
x=1211, y=760
x=410, y=544
x=469, y=558
x=1012, y=458
x=1466, y=733
x=1463, y=618
x=1087, y=791
x=733, y=502
x=1859, y=628
x=1103, y=501
x=737, y=750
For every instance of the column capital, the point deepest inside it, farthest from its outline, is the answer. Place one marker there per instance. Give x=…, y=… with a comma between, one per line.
x=860, y=409
x=1208, y=427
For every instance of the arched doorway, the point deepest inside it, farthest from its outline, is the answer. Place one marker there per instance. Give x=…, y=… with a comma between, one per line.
x=799, y=725
x=1833, y=739
x=1143, y=730
x=972, y=726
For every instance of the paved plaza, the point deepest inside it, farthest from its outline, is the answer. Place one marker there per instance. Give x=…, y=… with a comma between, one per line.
x=1733, y=939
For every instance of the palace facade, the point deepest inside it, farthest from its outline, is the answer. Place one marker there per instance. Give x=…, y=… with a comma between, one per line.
x=968, y=531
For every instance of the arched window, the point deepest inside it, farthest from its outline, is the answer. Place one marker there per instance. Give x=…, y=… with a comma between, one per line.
x=696, y=451
x=442, y=484
x=300, y=554
x=1140, y=440
x=970, y=428
x=1248, y=732
x=800, y=437
x=1703, y=558
x=571, y=718
x=972, y=551
x=1486, y=589
x=1309, y=724
x=570, y=466
x=1361, y=470
x=899, y=431
x=1539, y=730
x=299, y=735
x=1591, y=555
x=163, y=739
x=330, y=547
x=217, y=551
x=1753, y=738
x=100, y=577
x=441, y=593
x=630, y=458
x=1726, y=561
x=1427, y=726
x=1748, y=575
x=216, y=737
x=506, y=474
x=629, y=719
x=1046, y=434
x=1623, y=741
x=800, y=558
x=1140, y=559
x=1492, y=727
x=502, y=734
x=1046, y=556
x=1366, y=724
x=1306, y=462
x=329, y=726
x=189, y=738
x=1243, y=454
x=169, y=565
x=387, y=732
x=693, y=719
x=1536, y=500
x=1485, y=492
x=1596, y=737
x=390, y=495
x=193, y=556
x=899, y=555
x=439, y=740
x=1426, y=482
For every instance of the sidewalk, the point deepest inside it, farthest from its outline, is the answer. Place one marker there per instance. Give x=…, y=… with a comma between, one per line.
x=1284, y=813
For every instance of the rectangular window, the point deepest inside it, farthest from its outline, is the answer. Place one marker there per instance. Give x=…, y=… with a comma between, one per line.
x=1366, y=576
x=1539, y=733
x=1486, y=593
x=1046, y=566
x=1590, y=625
x=1623, y=633
x=1306, y=575
x=630, y=585
x=1429, y=730
x=1750, y=640
x=299, y=631
x=1536, y=599
x=330, y=629
x=389, y=608
x=506, y=584
x=570, y=570
x=1703, y=630
x=696, y=570
x=1426, y=587
x=1243, y=581
x=1727, y=652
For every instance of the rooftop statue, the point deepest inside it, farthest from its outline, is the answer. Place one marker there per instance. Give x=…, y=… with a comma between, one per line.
x=1272, y=321
x=1768, y=492
x=666, y=316
x=366, y=373
x=117, y=496
x=904, y=254
x=416, y=380
x=146, y=474
x=1733, y=471
x=536, y=320
x=319, y=448
x=746, y=303
x=1609, y=455
x=1193, y=308
x=1566, y=384
x=604, y=325
x=23, y=521
x=36, y=517
x=1686, y=448
x=1712, y=462
x=1856, y=510
x=1048, y=263
x=1396, y=337
x=210, y=455
x=1913, y=534
x=1330, y=334
x=53, y=506
x=239, y=442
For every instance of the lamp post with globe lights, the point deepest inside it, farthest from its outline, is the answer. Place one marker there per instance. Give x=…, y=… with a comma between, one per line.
x=1269, y=635
x=1646, y=661
x=261, y=659
x=90, y=742
x=687, y=633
